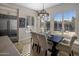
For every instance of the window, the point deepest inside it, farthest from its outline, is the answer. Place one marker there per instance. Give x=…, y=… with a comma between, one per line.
x=69, y=21
x=45, y=24
x=64, y=23
x=58, y=23
x=48, y=25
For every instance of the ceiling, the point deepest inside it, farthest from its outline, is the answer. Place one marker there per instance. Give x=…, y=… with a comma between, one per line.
x=37, y=6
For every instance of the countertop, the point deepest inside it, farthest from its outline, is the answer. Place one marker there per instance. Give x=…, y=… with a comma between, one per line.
x=7, y=48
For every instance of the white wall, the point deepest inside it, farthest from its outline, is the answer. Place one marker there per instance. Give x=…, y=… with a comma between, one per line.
x=24, y=34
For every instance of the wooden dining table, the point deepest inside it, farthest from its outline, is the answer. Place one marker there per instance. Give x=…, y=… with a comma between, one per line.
x=7, y=48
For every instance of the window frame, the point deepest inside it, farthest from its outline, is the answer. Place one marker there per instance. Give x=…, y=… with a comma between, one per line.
x=63, y=28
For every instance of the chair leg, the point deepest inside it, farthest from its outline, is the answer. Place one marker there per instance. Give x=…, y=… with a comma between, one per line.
x=33, y=46
x=46, y=53
x=39, y=48
x=72, y=53
x=69, y=54
x=36, y=47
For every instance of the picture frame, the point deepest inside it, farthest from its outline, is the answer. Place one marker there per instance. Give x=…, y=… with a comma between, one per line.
x=21, y=22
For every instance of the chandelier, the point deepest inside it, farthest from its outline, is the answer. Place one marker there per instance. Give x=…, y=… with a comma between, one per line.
x=43, y=12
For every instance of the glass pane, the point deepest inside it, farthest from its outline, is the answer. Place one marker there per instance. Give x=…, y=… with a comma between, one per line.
x=58, y=23
x=47, y=25
x=69, y=21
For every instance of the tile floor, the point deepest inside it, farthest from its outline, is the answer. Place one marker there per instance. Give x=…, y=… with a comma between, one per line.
x=24, y=47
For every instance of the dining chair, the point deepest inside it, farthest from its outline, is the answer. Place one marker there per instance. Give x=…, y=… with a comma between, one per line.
x=75, y=49
x=65, y=49
x=34, y=41
x=43, y=45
